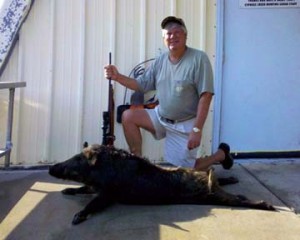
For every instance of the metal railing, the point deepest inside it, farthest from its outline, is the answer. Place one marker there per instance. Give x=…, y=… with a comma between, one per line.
x=11, y=86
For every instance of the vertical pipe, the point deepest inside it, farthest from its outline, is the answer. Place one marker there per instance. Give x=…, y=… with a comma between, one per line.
x=9, y=126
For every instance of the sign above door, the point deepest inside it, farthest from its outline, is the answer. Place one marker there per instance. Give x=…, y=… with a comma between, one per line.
x=269, y=3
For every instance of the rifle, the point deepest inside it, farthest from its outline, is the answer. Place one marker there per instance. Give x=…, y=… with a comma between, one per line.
x=108, y=137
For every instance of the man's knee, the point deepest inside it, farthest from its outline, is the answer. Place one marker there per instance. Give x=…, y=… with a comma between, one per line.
x=139, y=118
x=127, y=116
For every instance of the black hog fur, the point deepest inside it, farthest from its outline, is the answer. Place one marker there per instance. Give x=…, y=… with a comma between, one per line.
x=117, y=176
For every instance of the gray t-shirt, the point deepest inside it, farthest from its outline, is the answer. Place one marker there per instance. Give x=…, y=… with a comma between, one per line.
x=178, y=86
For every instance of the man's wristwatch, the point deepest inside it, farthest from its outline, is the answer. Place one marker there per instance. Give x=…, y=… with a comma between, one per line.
x=196, y=130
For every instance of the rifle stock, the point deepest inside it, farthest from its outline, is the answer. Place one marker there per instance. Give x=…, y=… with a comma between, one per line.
x=108, y=127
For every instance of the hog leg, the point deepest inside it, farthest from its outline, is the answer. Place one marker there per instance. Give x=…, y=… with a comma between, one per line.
x=221, y=197
x=81, y=190
x=99, y=203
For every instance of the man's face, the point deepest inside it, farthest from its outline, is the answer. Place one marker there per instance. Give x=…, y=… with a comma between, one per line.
x=174, y=37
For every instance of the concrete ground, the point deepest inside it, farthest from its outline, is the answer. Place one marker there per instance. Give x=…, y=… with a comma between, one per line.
x=32, y=207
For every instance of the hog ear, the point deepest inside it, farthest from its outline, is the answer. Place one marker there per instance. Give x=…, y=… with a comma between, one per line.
x=88, y=152
x=91, y=152
x=95, y=150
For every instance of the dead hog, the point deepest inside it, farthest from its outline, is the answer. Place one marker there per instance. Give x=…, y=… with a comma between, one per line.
x=117, y=176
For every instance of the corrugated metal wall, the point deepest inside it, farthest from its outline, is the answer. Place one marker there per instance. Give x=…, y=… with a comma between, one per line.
x=62, y=49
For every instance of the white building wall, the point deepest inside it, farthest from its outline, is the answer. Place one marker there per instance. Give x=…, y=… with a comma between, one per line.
x=62, y=49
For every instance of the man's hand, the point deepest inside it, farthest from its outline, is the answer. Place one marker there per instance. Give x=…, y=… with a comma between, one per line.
x=111, y=72
x=194, y=140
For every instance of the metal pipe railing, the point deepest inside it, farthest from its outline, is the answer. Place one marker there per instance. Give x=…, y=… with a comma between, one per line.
x=7, y=150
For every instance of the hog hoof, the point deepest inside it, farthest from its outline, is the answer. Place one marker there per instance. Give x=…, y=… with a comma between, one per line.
x=69, y=191
x=78, y=218
x=267, y=206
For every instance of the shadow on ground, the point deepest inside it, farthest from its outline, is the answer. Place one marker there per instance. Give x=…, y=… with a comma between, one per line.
x=32, y=207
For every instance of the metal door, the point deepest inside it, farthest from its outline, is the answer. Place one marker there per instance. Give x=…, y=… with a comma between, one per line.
x=257, y=98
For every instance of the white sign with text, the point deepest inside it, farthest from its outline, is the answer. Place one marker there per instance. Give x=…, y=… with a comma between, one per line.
x=269, y=3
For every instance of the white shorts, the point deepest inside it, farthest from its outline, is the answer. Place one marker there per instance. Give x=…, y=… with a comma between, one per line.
x=176, y=151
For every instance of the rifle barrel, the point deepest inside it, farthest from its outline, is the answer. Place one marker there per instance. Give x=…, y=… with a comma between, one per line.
x=108, y=116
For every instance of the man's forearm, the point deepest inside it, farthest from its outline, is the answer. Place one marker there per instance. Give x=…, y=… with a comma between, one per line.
x=128, y=82
x=203, y=108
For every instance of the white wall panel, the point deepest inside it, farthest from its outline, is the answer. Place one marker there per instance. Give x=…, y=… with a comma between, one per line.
x=63, y=47
x=34, y=62
x=68, y=78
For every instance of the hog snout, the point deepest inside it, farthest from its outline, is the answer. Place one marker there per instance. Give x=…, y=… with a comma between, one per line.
x=57, y=170
x=66, y=172
x=53, y=170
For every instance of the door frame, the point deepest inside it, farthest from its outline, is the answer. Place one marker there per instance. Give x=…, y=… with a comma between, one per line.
x=218, y=74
